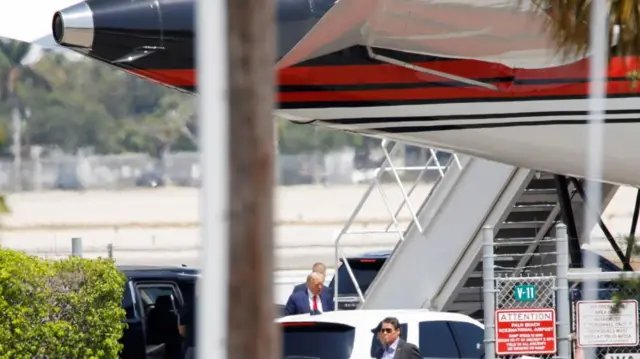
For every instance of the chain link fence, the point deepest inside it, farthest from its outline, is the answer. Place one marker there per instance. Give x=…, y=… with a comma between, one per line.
x=546, y=315
x=524, y=311
x=606, y=325
x=529, y=292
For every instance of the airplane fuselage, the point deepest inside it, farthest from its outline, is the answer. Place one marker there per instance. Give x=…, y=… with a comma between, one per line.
x=528, y=117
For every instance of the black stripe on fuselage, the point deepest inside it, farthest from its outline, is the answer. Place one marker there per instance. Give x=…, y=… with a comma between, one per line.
x=475, y=116
x=187, y=89
x=301, y=105
x=478, y=126
x=415, y=85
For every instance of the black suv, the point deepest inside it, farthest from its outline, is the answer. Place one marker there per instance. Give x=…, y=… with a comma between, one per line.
x=145, y=284
x=143, y=288
x=365, y=268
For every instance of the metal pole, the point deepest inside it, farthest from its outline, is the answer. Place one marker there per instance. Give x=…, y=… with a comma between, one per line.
x=252, y=332
x=598, y=73
x=76, y=247
x=110, y=250
x=213, y=117
x=562, y=296
x=488, y=291
x=17, y=145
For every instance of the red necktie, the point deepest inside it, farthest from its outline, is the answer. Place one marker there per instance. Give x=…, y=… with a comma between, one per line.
x=315, y=302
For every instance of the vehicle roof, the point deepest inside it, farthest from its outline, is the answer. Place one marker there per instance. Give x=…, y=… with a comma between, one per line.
x=157, y=271
x=370, y=318
x=372, y=255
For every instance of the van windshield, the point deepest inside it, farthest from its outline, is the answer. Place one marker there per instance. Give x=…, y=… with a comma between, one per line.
x=317, y=340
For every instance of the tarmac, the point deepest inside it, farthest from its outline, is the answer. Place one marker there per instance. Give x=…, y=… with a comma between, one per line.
x=160, y=226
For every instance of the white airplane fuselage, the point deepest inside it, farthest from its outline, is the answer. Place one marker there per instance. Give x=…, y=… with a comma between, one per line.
x=547, y=135
x=474, y=76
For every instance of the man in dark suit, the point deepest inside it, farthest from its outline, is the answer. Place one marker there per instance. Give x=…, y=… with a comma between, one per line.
x=393, y=347
x=311, y=300
x=318, y=268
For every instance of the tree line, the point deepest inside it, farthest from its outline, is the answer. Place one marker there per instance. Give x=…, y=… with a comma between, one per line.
x=63, y=104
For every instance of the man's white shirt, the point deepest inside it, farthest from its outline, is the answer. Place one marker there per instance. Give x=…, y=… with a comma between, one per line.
x=310, y=295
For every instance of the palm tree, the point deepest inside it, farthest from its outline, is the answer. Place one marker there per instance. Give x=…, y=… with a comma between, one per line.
x=569, y=24
x=13, y=72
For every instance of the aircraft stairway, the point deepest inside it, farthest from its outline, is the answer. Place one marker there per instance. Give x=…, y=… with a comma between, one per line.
x=437, y=261
x=520, y=246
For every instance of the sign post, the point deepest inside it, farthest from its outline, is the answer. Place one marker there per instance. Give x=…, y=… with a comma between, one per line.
x=525, y=331
x=599, y=326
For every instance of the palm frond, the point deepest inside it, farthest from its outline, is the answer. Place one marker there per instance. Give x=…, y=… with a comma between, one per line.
x=5, y=46
x=4, y=207
x=632, y=242
x=38, y=80
x=19, y=50
x=5, y=63
x=569, y=23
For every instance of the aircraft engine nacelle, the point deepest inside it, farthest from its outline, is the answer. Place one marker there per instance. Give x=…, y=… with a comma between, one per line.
x=150, y=38
x=155, y=39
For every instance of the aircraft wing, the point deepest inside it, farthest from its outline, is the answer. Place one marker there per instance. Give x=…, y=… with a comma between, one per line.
x=30, y=20
x=508, y=32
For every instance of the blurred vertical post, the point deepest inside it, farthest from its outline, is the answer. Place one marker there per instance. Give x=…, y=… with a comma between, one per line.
x=213, y=117
x=236, y=56
x=252, y=331
x=598, y=73
x=17, y=149
x=76, y=247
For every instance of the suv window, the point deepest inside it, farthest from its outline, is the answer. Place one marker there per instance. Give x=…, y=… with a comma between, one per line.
x=317, y=340
x=436, y=340
x=375, y=343
x=159, y=302
x=128, y=303
x=470, y=339
x=365, y=270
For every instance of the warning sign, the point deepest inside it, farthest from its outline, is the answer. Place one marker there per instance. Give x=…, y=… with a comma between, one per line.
x=525, y=331
x=599, y=326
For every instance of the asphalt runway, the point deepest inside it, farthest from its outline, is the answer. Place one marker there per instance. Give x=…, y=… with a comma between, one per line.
x=44, y=223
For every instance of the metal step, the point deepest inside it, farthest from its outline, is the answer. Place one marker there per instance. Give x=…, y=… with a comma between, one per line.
x=538, y=196
x=543, y=183
x=522, y=225
x=532, y=207
x=527, y=216
x=508, y=233
x=539, y=215
x=519, y=241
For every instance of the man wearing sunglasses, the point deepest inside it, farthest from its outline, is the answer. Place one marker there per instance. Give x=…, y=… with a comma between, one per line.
x=394, y=347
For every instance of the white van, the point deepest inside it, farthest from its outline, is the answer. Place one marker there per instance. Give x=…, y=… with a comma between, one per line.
x=349, y=334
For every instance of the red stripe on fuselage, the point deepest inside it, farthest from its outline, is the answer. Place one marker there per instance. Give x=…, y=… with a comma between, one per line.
x=169, y=77
x=391, y=74
x=450, y=93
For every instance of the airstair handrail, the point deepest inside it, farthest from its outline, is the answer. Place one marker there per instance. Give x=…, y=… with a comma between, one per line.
x=387, y=165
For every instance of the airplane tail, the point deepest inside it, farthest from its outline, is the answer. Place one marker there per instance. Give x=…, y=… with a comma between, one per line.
x=30, y=21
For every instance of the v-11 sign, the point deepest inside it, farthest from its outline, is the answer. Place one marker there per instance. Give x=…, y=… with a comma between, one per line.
x=525, y=293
